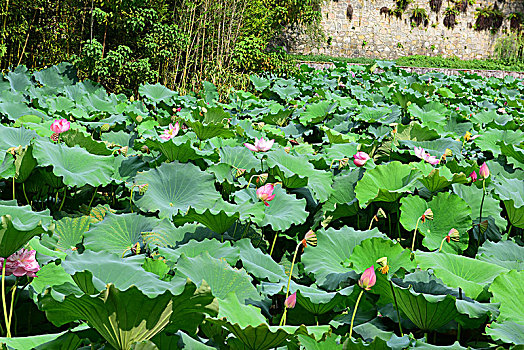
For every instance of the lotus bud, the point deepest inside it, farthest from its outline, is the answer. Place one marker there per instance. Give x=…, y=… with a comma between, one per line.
x=360, y=158
x=484, y=171
x=105, y=127
x=368, y=278
x=265, y=194
x=310, y=238
x=383, y=263
x=291, y=301
x=453, y=235
x=428, y=215
x=473, y=176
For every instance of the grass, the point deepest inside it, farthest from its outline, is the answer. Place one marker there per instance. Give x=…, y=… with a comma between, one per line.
x=425, y=61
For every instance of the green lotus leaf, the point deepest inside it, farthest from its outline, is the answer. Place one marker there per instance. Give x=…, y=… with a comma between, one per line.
x=488, y=140
x=513, y=154
x=260, y=83
x=250, y=329
x=431, y=114
x=217, y=218
x=336, y=152
x=473, y=276
x=335, y=137
x=75, y=165
x=435, y=147
x=511, y=191
x=20, y=224
x=425, y=346
x=334, y=247
x=118, y=234
x=176, y=187
x=210, y=130
x=386, y=183
x=370, y=250
x=51, y=275
x=329, y=343
x=507, y=332
x=30, y=342
x=342, y=201
x=24, y=163
x=286, y=92
x=76, y=137
x=239, y=158
x=436, y=179
x=156, y=93
x=179, y=148
x=127, y=317
x=316, y=112
x=508, y=290
x=165, y=234
x=415, y=132
x=259, y=264
x=68, y=233
x=14, y=137
x=57, y=76
x=193, y=248
x=7, y=165
x=449, y=211
x=222, y=278
x=507, y=254
x=374, y=114
x=491, y=207
x=284, y=211
x=427, y=311
x=298, y=172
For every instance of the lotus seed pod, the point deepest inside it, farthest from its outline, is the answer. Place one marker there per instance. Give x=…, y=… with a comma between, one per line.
x=139, y=119
x=105, y=127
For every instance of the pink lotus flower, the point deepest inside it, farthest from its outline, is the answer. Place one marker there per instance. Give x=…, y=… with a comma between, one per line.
x=473, y=176
x=368, y=278
x=291, y=301
x=421, y=153
x=178, y=109
x=265, y=194
x=260, y=145
x=484, y=171
x=21, y=263
x=60, y=125
x=170, y=132
x=361, y=158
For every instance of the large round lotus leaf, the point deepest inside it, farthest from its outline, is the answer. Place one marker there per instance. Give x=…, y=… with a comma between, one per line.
x=20, y=224
x=239, y=158
x=76, y=137
x=156, y=93
x=508, y=290
x=449, y=211
x=311, y=344
x=118, y=233
x=57, y=76
x=491, y=207
x=68, y=233
x=222, y=278
x=259, y=264
x=217, y=218
x=193, y=248
x=293, y=170
x=334, y=247
x=7, y=165
x=127, y=317
x=14, y=137
x=30, y=342
x=251, y=330
x=179, y=148
x=370, y=250
x=386, y=183
x=75, y=165
x=507, y=254
x=488, y=140
x=508, y=332
x=210, y=130
x=176, y=187
x=436, y=179
x=165, y=234
x=284, y=211
x=427, y=311
x=436, y=147
x=511, y=191
x=472, y=275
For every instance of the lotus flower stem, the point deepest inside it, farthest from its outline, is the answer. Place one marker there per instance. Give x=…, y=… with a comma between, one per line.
x=246, y=229
x=355, y=312
x=14, y=197
x=261, y=164
x=442, y=243
x=25, y=194
x=396, y=308
x=11, y=310
x=273, y=245
x=415, y=235
x=93, y=197
x=482, y=202
x=130, y=198
x=398, y=226
x=291, y=270
x=8, y=331
x=458, y=327
x=63, y=200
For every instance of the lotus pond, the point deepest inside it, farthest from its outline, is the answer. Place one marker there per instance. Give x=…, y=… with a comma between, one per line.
x=348, y=208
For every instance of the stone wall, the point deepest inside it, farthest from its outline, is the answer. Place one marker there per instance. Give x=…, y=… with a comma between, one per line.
x=372, y=34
